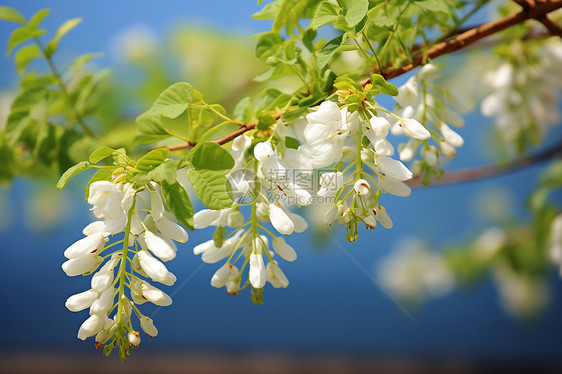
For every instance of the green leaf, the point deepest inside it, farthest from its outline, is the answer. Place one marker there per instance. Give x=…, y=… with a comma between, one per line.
x=268, y=44
x=166, y=171
x=101, y=153
x=174, y=100
x=211, y=187
x=325, y=13
x=10, y=14
x=386, y=88
x=177, y=201
x=329, y=51
x=38, y=17
x=243, y=110
x=62, y=31
x=434, y=5
x=354, y=10
x=21, y=35
x=103, y=174
x=218, y=236
x=265, y=122
x=24, y=56
x=152, y=159
x=291, y=142
x=218, y=131
x=76, y=169
x=210, y=156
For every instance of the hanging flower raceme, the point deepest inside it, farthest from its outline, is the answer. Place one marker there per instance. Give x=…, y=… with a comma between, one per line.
x=265, y=193
x=524, y=92
x=423, y=113
x=124, y=250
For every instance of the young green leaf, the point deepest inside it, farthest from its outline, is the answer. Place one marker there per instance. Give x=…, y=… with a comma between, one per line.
x=386, y=88
x=152, y=159
x=210, y=156
x=62, y=31
x=100, y=154
x=325, y=13
x=174, y=100
x=20, y=35
x=10, y=14
x=177, y=201
x=38, y=17
x=76, y=169
x=24, y=56
x=354, y=10
x=211, y=187
x=329, y=51
x=265, y=122
x=166, y=171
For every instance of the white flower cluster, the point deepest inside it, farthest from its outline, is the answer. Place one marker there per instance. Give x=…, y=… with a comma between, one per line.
x=414, y=273
x=245, y=244
x=427, y=102
x=525, y=93
x=148, y=228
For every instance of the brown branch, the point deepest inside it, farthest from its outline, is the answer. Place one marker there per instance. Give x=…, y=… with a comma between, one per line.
x=550, y=25
x=490, y=171
x=462, y=40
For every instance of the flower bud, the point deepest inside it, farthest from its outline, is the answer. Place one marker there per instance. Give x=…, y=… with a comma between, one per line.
x=91, y=327
x=257, y=274
x=147, y=325
x=284, y=250
x=134, y=338
x=205, y=218
x=414, y=129
x=164, y=249
x=263, y=150
x=280, y=220
x=275, y=275
x=81, y=301
x=362, y=187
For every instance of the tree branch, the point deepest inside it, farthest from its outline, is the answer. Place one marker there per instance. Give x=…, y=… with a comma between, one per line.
x=490, y=171
x=460, y=41
x=550, y=25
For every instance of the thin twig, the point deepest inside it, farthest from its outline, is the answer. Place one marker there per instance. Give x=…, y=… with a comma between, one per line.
x=454, y=44
x=490, y=171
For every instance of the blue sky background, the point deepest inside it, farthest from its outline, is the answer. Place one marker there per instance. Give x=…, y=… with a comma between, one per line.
x=331, y=305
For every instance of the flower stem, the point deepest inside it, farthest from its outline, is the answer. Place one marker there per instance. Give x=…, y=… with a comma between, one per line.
x=123, y=266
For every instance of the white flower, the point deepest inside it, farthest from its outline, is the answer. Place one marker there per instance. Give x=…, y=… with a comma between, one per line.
x=106, y=199
x=284, y=250
x=155, y=295
x=414, y=129
x=148, y=326
x=205, y=218
x=91, y=327
x=104, y=277
x=331, y=214
x=163, y=248
x=263, y=150
x=555, y=241
x=275, y=275
x=394, y=186
x=328, y=114
x=362, y=187
x=257, y=274
x=82, y=265
x=280, y=220
x=134, y=338
x=430, y=155
x=330, y=183
x=211, y=254
x=89, y=244
x=451, y=136
x=408, y=94
x=393, y=168
x=224, y=274
x=155, y=270
x=81, y=301
x=171, y=230
x=380, y=214
x=408, y=150
x=105, y=302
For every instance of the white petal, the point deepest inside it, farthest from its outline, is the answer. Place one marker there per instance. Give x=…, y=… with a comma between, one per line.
x=328, y=113
x=164, y=249
x=205, y=218
x=257, y=274
x=414, y=129
x=284, y=250
x=393, y=168
x=84, y=246
x=81, y=301
x=394, y=186
x=172, y=230
x=156, y=205
x=280, y=220
x=82, y=265
x=275, y=275
x=91, y=327
x=93, y=228
x=155, y=295
x=263, y=150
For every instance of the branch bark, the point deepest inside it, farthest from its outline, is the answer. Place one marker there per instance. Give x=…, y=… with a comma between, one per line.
x=490, y=171
x=460, y=41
